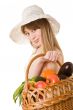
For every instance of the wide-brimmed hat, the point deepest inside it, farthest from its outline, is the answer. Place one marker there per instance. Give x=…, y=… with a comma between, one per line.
x=30, y=14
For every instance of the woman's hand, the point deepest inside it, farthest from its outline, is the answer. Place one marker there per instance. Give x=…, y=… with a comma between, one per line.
x=52, y=55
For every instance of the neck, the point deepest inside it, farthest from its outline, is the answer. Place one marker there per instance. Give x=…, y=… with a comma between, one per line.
x=39, y=50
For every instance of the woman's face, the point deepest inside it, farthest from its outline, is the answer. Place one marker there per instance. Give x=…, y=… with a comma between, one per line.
x=34, y=35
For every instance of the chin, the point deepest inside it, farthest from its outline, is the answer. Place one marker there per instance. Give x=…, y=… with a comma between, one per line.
x=36, y=46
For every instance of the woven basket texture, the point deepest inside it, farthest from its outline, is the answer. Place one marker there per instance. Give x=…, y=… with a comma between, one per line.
x=58, y=96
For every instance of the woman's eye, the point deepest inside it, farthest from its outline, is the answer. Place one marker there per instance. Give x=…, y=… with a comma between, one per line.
x=27, y=34
x=33, y=30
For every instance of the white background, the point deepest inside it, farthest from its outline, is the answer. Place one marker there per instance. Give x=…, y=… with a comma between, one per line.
x=13, y=57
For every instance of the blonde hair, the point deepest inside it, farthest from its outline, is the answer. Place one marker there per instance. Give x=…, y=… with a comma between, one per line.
x=48, y=37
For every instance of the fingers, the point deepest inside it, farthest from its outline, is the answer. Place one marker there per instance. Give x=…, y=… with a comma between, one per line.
x=52, y=55
x=55, y=56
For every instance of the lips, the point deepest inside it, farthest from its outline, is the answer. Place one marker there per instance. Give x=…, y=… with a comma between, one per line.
x=36, y=40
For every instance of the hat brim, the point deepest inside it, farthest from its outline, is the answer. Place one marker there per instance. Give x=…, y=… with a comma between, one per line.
x=17, y=36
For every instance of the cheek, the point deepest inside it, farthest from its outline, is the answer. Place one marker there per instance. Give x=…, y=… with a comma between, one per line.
x=38, y=33
x=39, y=36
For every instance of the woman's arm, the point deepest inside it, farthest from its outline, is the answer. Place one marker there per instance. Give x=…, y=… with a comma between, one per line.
x=36, y=67
x=54, y=57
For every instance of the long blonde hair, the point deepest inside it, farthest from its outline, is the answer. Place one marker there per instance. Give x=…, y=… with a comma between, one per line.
x=48, y=37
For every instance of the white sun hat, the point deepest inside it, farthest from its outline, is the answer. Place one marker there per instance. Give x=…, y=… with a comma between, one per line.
x=30, y=14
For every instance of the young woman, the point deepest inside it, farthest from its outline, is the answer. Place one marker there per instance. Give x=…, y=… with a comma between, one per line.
x=40, y=30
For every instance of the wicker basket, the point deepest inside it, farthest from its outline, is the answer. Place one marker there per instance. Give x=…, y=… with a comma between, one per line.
x=58, y=96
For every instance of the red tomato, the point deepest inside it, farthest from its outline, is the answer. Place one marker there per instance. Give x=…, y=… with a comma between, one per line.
x=40, y=84
x=53, y=78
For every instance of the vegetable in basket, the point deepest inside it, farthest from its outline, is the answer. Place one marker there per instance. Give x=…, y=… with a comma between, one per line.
x=40, y=84
x=66, y=70
x=18, y=92
x=51, y=76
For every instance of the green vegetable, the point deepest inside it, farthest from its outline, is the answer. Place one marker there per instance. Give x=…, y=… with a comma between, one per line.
x=38, y=78
x=18, y=92
x=20, y=99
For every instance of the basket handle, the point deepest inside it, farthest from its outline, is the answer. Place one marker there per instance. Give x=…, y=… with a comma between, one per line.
x=27, y=70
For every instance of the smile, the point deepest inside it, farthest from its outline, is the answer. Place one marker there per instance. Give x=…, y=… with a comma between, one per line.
x=35, y=41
